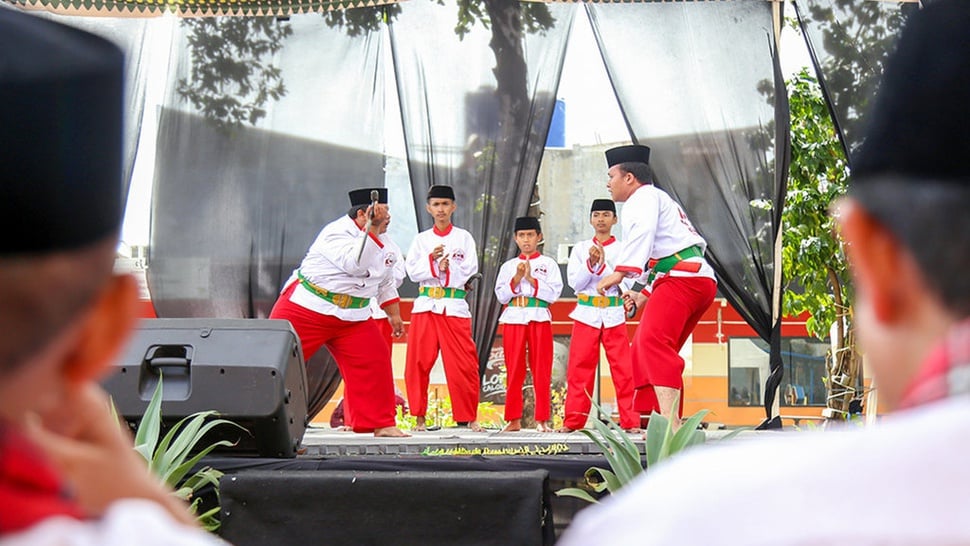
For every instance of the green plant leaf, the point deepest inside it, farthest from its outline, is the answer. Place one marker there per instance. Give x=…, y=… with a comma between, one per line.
x=657, y=430
x=175, y=474
x=607, y=481
x=685, y=435
x=625, y=464
x=577, y=493
x=150, y=425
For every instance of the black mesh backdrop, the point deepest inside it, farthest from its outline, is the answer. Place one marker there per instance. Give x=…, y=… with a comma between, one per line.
x=236, y=204
x=849, y=41
x=699, y=83
x=476, y=111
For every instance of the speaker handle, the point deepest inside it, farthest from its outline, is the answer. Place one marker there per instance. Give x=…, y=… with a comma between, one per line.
x=167, y=362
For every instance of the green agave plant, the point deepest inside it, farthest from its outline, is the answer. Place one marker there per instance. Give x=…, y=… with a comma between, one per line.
x=173, y=457
x=623, y=455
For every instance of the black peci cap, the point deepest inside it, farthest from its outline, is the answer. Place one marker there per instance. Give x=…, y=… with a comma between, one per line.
x=441, y=192
x=602, y=204
x=634, y=153
x=523, y=223
x=363, y=196
x=61, y=111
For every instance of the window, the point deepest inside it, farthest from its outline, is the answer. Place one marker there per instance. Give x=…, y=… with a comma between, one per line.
x=804, y=366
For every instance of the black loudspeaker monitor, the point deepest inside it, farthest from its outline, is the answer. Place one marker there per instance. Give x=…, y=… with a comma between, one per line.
x=359, y=508
x=251, y=371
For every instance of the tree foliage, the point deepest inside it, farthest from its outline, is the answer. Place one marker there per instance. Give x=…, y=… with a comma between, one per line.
x=233, y=75
x=812, y=253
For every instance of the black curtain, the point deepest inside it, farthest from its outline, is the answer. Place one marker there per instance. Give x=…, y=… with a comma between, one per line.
x=849, y=40
x=288, y=116
x=700, y=83
x=132, y=36
x=476, y=109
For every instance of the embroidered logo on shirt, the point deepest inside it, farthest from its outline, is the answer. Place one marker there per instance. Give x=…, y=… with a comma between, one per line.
x=541, y=271
x=458, y=256
x=389, y=260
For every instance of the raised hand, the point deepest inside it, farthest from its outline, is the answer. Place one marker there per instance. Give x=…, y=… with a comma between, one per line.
x=379, y=216
x=528, y=271
x=595, y=254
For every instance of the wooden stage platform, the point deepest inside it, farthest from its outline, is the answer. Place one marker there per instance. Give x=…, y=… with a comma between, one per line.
x=449, y=487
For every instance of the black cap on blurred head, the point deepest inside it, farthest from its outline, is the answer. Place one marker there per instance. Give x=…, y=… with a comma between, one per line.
x=920, y=124
x=362, y=196
x=634, y=153
x=602, y=204
x=527, y=222
x=441, y=192
x=61, y=93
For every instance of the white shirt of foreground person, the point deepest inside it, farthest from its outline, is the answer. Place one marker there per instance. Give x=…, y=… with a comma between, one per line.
x=905, y=481
x=126, y=522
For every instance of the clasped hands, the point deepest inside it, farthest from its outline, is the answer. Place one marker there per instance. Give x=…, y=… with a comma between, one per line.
x=439, y=256
x=523, y=271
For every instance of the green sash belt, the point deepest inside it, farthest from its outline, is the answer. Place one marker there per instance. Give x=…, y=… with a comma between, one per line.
x=438, y=292
x=343, y=301
x=599, y=301
x=522, y=301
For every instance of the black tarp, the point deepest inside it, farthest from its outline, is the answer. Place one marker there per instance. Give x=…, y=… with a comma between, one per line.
x=700, y=83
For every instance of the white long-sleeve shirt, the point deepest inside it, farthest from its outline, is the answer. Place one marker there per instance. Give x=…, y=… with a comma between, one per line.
x=128, y=521
x=908, y=485
x=547, y=287
x=423, y=269
x=583, y=280
x=331, y=264
x=654, y=227
x=392, y=253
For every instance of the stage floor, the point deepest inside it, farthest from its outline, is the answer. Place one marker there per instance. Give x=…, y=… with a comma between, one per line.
x=323, y=441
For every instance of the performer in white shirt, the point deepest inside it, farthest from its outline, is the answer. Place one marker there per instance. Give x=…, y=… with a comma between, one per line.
x=599, y=319
x=441, y=261
x=528, y=284
x=390, y=326
x=663, y=250
x=327, y=300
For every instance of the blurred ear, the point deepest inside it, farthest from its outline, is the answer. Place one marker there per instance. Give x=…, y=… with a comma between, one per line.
x=107, y=327
x=878, y=261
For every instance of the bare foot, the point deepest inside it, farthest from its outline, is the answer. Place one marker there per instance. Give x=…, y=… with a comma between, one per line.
x=633, y=430
x=543, y=427
x=345, y=428
x=564, y=430
x=475, y=427
x=390, y=432
x=420, y=424
x=513, y=426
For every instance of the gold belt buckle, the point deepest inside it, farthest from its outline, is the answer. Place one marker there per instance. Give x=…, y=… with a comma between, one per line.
x=341, y=300
x=436, y=292
x=601, y=301
x=519, y=301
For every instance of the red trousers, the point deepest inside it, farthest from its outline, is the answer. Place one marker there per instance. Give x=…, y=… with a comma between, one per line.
x=361, y=354
x=670, y=315
x=430, y=332
x=387, y=332
x=538, y=337
x=584, y=355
